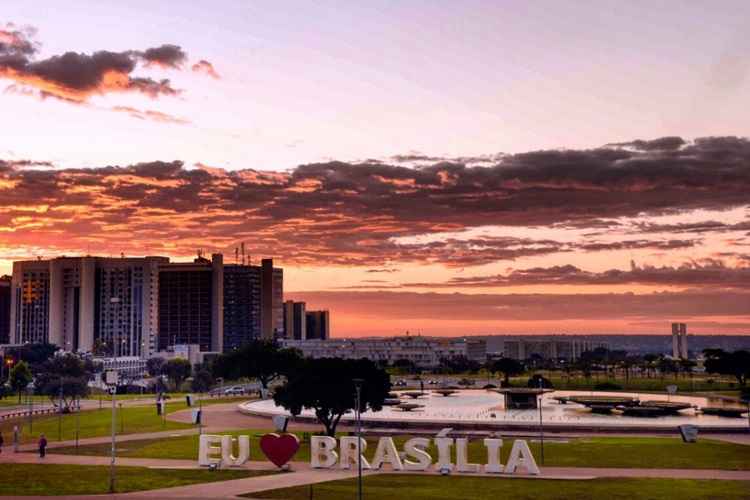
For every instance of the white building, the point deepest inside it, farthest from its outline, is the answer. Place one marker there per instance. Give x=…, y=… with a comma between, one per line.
x=107, y=306
x=679, y=341
x=422, y=351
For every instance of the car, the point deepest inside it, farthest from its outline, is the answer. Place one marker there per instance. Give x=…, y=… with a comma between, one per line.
x=433, y=382
x=400, y=383
x=234, y=391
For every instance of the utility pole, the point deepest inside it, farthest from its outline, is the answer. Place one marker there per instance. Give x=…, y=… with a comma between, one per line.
x=60, y=411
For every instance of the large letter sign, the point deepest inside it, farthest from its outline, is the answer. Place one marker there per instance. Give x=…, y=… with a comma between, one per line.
x=326, y=453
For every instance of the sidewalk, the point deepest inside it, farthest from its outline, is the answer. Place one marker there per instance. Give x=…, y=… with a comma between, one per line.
x=31, y=447
x=302, y=474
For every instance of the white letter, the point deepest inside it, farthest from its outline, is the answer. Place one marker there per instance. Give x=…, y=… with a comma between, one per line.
x=444, y=453
x=520, y=454
x=462, y=460
x=348, y=446
x=493, y=455
x=226, y=450
x=415, y=447
x=387, y=452
x=322, y=445
x=206, y=450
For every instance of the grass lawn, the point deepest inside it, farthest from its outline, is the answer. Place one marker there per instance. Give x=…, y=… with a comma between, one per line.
x=93, y=423
x=54, y=479
x=417, y=487
x=633, y=452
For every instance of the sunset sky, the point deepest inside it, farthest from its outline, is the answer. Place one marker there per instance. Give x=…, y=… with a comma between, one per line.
x=447, y=168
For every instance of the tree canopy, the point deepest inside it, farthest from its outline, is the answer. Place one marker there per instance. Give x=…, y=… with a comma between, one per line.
x=736, y=364
x=509, y=367
x=19, y=378
x=177, y=370
x=259, y=359
x=327, y=387
x=68, y=371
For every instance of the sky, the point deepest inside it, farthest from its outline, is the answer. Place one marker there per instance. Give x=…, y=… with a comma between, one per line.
x=442, y=168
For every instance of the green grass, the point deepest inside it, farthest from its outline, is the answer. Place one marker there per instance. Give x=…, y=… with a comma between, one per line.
x=632, y=452
x=419, y=487
x=95, y=423
x=55, y=479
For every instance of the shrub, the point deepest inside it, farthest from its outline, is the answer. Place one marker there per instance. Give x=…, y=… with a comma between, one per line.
x=608, y=386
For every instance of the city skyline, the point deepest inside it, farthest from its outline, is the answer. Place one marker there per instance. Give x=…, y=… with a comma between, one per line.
x=545, y=169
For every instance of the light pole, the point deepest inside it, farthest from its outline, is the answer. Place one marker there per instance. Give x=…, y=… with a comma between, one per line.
x=358, y=414
x=541, y=425
x=60, y=412
x=111, y=380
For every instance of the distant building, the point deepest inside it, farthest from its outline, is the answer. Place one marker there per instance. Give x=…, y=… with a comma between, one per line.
x=242, y=297
x=424, y=352
x=271, y=300
x=679, y=341
x=86, y=304
x=567, y=349
x=191, y=304
x=318, y=325
x=295, y=320
x=5, y=282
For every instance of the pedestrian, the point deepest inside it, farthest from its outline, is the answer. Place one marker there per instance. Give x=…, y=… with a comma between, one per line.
x=1, y=442
x=42, y=446
x=15, y=439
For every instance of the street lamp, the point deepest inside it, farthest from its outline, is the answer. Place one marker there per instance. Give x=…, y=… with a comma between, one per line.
x=541, y=425
x=111, y=380
x=358, y=413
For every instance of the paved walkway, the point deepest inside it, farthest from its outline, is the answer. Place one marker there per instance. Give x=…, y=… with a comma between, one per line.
x=302, y=474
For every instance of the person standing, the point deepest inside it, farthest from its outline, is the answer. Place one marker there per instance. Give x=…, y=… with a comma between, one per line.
x=42, y=446
x=15, y=439
x=2, y=441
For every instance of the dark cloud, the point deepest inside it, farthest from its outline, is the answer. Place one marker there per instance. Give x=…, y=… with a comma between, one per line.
x=661, y=144
x=710, y=274
x=709, y=226
x=415, y=307
x=376, y=214
x=206, y=67
x=167, y=56
x=74, y=77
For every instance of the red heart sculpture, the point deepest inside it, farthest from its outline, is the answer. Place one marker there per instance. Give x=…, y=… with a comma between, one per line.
x=279, y=449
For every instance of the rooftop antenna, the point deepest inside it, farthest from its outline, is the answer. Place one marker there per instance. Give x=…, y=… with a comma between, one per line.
x=236, y=255
x=200, y=253
x=242, y=245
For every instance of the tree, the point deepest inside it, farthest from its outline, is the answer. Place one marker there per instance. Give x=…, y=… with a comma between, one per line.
x=19, y=378
x=35, y=355
x=154, y=366
x=539, y=381
x=65, y=375
x=259, y=359
x=177, y=370
x=406, y=366
x=736, y=364
x=202, y=381
x=327, y=387
x=509, y=367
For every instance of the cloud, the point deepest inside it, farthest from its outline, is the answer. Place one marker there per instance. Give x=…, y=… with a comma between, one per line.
x=166, y=56
x=375, y=214
x=206, y=67
x=709, y=274
x=75, y=77
x=152, y=115
x=416, y=309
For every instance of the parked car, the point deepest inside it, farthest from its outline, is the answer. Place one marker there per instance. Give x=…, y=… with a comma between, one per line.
x=236, y=390
x=400, y=383
x=433, y=382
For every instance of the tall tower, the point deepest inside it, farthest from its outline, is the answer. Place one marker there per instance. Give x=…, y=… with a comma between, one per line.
x=675, y=340
x=683, y=341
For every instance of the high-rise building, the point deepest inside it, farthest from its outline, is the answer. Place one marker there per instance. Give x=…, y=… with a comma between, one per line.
x=295, y=320
x=5, y=309
x=679, y=341
x=242, y=297
x=545, y=348
x=86, y=304
x=191, y=304
x=271, y=300
x=318, y=325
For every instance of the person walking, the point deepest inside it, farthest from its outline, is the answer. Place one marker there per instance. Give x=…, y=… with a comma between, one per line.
x=15, y=439
x=42, y=446
x=2, y=441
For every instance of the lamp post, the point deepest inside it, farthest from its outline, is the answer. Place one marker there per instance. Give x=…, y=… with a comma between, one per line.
x=111, y=380
x=358, y=414
x=541, y=425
